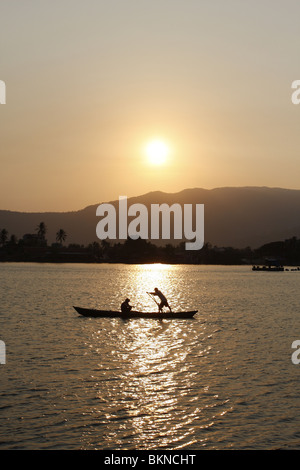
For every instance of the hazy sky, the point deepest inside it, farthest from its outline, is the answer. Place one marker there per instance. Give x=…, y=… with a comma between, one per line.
x=89, y=83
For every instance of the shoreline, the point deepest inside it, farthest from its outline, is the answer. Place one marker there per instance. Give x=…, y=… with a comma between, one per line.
x=286, y=268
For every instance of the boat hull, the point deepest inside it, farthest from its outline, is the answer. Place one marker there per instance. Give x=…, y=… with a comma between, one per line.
x=268, y=269
x=88, y=312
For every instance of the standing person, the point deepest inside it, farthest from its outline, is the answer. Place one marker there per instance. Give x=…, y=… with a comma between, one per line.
x=163, y=300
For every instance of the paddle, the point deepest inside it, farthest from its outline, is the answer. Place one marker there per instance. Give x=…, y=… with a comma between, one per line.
x=151, y=297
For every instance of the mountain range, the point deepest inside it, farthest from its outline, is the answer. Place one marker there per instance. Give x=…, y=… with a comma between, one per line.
x=234, y=216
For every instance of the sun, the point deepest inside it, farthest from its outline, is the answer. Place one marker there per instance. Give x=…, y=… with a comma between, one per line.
x=157, y=152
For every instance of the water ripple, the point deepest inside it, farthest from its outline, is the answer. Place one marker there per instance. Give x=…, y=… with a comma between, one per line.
x=223, y=380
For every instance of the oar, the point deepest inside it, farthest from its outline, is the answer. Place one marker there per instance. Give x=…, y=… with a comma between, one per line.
x=151, y=297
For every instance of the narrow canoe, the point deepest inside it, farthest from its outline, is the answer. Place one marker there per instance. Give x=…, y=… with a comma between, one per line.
x=89, y=312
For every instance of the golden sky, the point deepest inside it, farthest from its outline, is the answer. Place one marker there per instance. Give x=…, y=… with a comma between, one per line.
x=90, y=83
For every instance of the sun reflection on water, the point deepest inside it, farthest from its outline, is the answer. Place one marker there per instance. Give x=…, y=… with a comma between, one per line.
x=148, y=390
x=151, y=379
x=145, y=400
x=145, y=278
x=99, y=383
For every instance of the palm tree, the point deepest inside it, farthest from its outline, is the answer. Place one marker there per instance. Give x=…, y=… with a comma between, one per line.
x=61, y=236
x=41, y=230
x=3, y=236
x=13, y=239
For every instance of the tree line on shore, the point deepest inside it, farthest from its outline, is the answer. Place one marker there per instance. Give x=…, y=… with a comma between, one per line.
x=34, y=247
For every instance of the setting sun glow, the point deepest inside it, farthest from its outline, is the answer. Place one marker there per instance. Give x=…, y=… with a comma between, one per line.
x=157, y=152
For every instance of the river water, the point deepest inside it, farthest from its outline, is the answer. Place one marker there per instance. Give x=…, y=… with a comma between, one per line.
x=223, y=380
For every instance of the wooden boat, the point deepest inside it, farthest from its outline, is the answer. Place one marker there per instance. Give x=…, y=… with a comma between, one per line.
x=271, y=265
x=90, y=312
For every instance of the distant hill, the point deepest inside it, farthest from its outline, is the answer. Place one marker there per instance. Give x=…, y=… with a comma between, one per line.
x=237, y=217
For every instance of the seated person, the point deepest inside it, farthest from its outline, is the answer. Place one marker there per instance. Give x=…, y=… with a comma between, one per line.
x=125, y=307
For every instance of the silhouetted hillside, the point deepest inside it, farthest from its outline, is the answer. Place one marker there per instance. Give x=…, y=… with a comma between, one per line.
x=236, y=217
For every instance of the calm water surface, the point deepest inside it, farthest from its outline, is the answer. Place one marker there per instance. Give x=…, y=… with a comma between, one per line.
x=222, y=380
